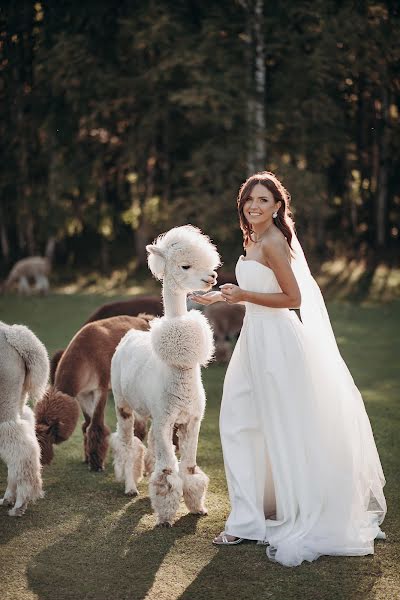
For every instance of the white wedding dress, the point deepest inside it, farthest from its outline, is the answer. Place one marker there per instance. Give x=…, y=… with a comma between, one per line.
x=301, y=463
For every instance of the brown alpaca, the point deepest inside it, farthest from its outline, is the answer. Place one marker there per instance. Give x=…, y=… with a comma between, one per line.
x=83, y=379
x=226, y=321
x=225, y=277
x=151, y=305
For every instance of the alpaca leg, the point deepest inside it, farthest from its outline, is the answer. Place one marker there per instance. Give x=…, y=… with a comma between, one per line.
x=165, y=485
x=138, y=465
x=85, y=425
x=42, y=284
x=21, y=453
x=23, y=286
x=194, y=481
x=149, y=459
x=97, y=433
x=128, y=455
x=11, y=492
x=27, y=472
x=28, y=415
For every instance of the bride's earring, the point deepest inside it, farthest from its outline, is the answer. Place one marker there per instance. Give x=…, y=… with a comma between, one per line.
x=275, y=214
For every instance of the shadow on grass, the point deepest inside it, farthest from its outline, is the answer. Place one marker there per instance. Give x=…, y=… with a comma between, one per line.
x=107, y=556
x=249, y=575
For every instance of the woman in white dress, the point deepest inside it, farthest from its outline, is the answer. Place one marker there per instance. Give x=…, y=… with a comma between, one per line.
x=303, y=472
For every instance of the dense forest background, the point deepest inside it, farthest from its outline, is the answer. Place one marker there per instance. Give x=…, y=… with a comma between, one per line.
x=122, y=119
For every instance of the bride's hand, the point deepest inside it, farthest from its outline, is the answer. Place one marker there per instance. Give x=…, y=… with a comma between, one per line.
x=232, y=293
x=206, y=299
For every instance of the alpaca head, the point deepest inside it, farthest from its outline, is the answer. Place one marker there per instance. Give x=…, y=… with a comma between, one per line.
x=185, y=258
x=56, y=418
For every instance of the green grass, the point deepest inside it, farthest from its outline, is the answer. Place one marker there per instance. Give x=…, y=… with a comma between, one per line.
x=85, y=540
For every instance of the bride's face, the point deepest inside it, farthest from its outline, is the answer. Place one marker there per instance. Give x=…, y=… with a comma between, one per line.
x=260, y=206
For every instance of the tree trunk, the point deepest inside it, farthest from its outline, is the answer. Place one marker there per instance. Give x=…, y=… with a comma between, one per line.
x=256, y=67
x=52, y=192
x=259, y=77
x=50, y=247
x=5, y=246
x=382, y=191
x=141, y=240
x=104, y=255
x=142, y=233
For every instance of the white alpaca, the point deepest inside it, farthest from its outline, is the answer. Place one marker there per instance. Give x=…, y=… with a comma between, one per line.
x=157, y=375
x=31, y=269
x=24, y=369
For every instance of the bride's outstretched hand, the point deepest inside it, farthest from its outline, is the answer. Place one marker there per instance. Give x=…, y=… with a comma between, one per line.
x=232, y=293
x=208, y=298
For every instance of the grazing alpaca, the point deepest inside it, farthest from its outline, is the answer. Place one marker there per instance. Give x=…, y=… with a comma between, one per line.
x=83, y=379
x=24, y=370
x=151, y=305
x=33, y=268
x=157, y=375
x=226, y=321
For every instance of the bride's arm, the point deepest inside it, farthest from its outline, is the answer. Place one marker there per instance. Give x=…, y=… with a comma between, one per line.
x=275, y=254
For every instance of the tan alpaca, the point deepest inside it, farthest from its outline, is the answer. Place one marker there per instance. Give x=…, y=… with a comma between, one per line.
x=82, y=380
x=24, y=370
x=34, y=269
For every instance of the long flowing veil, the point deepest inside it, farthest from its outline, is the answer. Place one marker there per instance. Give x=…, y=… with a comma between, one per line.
x=349, y=472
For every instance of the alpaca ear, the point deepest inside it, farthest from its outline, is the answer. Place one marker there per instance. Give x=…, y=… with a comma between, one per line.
x=156, y=261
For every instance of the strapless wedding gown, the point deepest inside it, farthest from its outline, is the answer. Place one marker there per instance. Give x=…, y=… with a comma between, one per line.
x=303, y=472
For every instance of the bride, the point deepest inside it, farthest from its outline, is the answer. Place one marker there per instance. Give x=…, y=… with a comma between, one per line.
x=304, y=476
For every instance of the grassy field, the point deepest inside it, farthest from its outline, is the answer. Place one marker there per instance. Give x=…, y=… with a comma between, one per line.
x=85, y=540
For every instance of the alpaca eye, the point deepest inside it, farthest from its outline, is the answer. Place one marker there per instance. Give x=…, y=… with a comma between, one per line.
x=186, y=267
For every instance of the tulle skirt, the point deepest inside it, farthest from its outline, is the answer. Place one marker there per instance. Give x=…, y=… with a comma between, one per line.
x=301, y=463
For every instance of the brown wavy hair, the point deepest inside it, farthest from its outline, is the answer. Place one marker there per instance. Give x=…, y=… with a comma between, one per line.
x=283, y=221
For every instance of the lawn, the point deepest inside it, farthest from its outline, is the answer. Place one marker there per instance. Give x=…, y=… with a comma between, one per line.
x=85, y=540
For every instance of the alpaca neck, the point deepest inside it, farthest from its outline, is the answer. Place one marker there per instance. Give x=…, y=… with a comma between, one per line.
x=174, y=302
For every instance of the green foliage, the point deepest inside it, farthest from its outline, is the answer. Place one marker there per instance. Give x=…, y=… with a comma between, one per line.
x=119, y=121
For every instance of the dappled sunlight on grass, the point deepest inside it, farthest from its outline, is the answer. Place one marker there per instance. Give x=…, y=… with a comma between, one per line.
x=180, y=570
x=357, y=280
x=112, y=519
x=115, y=283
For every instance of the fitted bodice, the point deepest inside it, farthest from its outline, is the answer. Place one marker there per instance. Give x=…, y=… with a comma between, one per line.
x=253, y=276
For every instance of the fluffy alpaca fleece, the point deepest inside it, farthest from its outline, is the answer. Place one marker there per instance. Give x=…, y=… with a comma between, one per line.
x=183, y=341
x=134, y=307
x=24, y=370
x=33, y=268
x=157, y=374
x=82, y=381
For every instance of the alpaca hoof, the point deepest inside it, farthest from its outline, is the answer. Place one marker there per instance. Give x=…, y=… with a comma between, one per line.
x=164, y=524
x=96, y=468
x=7, y=502
x=17, y=512
x=132, y=493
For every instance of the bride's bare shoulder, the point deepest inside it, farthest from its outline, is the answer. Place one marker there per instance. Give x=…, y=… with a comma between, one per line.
x=275, y=245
